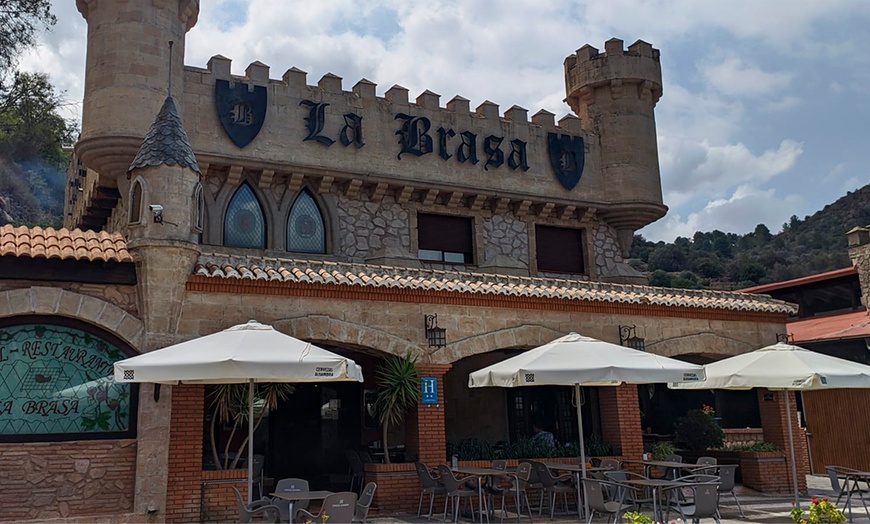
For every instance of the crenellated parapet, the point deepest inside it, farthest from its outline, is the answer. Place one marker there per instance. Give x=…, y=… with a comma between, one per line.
x=616, y=73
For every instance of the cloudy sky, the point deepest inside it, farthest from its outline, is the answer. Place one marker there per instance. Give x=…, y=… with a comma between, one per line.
x=765, y=103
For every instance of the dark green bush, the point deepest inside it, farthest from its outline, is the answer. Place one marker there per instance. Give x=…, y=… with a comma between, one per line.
x=697, y=431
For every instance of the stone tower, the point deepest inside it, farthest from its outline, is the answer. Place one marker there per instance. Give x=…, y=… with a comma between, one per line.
x=126, y=75
x=614, y=93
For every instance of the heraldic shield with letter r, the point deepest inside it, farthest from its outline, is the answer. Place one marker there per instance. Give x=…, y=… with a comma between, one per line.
x=241, y=110
x=566, y=157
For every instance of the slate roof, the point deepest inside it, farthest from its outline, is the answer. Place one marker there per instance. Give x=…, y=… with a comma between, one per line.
x=347, y=274
x=37, y=242
x=166, y=142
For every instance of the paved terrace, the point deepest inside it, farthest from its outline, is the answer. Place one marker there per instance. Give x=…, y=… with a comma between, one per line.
x=757, y=507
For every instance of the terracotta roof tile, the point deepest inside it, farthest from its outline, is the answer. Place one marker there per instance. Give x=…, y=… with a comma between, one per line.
x=364, y=275
x=853, y=324
x=36, y=242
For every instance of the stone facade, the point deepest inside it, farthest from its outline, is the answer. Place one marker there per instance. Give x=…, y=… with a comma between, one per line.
x=859, y=251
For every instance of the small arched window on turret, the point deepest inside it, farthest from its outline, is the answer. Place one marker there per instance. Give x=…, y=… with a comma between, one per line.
x=136, y=192
x=305, y=226
x=244, y=223
x=198, y=208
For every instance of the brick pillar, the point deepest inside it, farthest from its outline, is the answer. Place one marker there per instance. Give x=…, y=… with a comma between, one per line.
x=184, y=486
x=620, y=419
x=775, y=427
x=425, y=431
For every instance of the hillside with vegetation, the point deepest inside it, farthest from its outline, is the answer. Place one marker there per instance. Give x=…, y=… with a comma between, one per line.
x=720, y=260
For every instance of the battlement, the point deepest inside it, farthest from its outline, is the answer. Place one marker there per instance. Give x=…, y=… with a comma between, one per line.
x=617, y=67
x=294, y=84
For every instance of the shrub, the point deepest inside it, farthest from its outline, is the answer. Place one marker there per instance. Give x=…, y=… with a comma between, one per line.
x=755, y=446
x=697, y=431
x=660, y=450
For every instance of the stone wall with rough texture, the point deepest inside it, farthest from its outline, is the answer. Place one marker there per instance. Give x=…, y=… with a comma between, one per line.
x=122, y=296
x=43, y=480
x=859, y=252
x=365, y=227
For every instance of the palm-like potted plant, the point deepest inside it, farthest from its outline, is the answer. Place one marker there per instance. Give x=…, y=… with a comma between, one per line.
x=398, y=391
x=229, y=405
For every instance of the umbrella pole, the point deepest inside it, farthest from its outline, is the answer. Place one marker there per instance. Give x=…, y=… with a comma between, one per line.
x=251, y=441
x=582, y=450
x=797, y=500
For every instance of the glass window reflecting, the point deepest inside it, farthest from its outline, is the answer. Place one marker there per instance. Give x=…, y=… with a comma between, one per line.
x=244, y=225
x=305, y=228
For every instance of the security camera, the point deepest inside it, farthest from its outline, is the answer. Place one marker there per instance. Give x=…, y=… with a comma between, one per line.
x=157, y=209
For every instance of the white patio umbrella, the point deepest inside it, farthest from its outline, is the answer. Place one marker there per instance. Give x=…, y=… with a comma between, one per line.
x=783, y=367
x=575, y=360
x=246, y=353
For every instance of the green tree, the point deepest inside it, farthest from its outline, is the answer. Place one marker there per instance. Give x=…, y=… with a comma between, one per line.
x=668, y=257
x=660, y=278
x=397, y=393
x=20, y=21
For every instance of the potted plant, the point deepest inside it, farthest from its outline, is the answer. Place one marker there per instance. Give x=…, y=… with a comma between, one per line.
x=229, y=405
x=820, y=512
x=398, y=392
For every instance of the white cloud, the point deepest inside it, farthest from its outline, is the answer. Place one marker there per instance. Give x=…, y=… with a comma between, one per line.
x=786, y=103
x=734, y=76
x=745, y=208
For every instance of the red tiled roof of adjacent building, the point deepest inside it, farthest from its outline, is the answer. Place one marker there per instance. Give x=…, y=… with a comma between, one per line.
x=831, y=327
x=809, y=279
x=37, y=242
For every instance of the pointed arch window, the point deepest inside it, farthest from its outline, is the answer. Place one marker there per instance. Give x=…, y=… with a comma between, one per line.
x=244, y=224
x=136, y=202
x=198, y=208
x=305, y=228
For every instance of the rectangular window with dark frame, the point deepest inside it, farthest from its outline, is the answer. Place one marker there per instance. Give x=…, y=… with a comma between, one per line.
x=444, y=238
x=560, y=249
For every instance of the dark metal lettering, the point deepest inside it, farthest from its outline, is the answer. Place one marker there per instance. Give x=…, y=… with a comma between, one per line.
x=414, y=135
x=6, y=408
x=351, y=133
x=518, y=158
x=494, y=154
x=443, y=135
x=467, y=150
x=315, y=122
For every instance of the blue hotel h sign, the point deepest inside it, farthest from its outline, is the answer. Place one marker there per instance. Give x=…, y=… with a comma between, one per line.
x=429, y=389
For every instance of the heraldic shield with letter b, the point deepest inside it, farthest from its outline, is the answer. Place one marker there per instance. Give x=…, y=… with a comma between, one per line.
x=567, y=155
x=241, y=111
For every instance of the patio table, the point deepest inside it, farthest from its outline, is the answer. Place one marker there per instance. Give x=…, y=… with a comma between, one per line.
x=666, y=464
x=577, y=469
x=656, y=485
x=480, y=473
x=854, y=477
x=295, y=496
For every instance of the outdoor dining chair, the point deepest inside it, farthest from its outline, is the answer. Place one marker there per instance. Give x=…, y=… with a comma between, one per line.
x=704, y=502
x=356, y=468
x=460, y=489
x=430, y=484
x=258, y=508
x=611, y=464
x=727, y=481
x=597, y=496
x=290, y=485
x=364, y=503
x=636, y=496
x=338, y=507
x=515, y=487
x=705, y=461
x=553, y=486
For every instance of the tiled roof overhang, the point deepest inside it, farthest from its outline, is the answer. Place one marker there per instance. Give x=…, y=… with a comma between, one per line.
x=232, y=274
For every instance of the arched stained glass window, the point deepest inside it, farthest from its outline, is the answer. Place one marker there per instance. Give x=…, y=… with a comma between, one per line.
x=305, y=229
x=136, y=202
x=244, y=224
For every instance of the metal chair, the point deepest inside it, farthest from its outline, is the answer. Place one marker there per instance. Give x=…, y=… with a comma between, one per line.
x=338, y=507
x=636, y=497
x=258, y=508
x=458, y=489
x=727, y=473
x=596, y=493
x=364, y=503
x=705, y=461
x=429, y=484
x=704, y=502
x=357, y=469
x=611, y=464
x=290, y=485
x=515, y=487
x=551, y=485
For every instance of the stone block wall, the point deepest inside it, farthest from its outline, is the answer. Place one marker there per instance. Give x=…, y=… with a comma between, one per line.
x=44, y=480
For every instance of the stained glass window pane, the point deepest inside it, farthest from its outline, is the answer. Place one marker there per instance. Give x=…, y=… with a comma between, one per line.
x=59, y=380
x=305, y=231
x=244, y=225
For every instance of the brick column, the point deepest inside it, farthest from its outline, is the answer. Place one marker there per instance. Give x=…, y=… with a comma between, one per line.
x=620, y=419
x=425, y=431
x=183, y=491
x=775, y=427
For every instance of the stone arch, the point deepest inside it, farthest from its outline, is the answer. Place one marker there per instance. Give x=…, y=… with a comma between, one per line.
x=39, y=300
x=523, y=336
x=707, y=344
x=326, y=329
